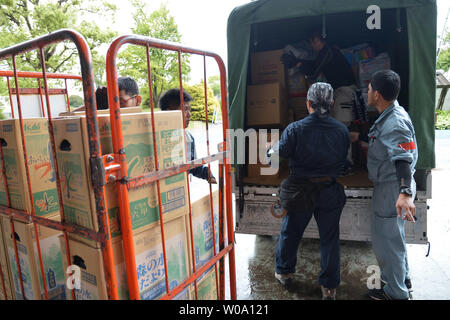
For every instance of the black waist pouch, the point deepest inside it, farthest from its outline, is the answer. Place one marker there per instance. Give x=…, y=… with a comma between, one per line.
x=300, y=195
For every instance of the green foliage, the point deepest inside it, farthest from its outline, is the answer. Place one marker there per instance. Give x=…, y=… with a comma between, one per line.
x=443, y=120
x=132, y=61
x=2, y=116
x=443, y=61
x=197, y=92
x=22, y=20
x=214, y=82
x=76, y=101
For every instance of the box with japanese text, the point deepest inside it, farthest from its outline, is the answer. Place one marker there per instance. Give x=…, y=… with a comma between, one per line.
x=266, y=67
x=149, y=263
x=29, y=260
x=79, y=202
x=40, y=165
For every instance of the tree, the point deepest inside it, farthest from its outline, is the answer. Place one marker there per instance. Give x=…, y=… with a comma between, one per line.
x=444, y=60
x=444, y=55
x=76, y=101
x=22, y=20
x=132, y=61
x=214, y=82
x=197, y=92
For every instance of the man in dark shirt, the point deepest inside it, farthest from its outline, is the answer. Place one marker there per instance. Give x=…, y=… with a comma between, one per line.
x=334, y=66
x=170, y=100
x=316, y=147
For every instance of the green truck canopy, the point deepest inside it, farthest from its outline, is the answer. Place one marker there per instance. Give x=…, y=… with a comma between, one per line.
x=408, y=34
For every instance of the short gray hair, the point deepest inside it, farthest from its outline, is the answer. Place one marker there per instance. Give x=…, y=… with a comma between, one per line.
x=321, y=96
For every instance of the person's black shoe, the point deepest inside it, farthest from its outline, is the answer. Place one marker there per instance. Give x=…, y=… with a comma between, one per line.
x=407, y=284
x=379, y=294
x=286, y=280
x=283, y=277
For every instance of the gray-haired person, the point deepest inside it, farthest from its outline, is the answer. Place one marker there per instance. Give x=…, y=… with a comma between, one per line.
x=316, y=147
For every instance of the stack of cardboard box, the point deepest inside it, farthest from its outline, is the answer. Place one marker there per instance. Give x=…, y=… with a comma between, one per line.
x=267, y=106
x=45, y=204
x=266, y=97
x=79, y=205
x=52, y=260
x=72, y=144
x=203, y=238
x=149, y=263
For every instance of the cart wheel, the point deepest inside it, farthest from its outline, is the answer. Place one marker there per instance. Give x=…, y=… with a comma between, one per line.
x=277, y=211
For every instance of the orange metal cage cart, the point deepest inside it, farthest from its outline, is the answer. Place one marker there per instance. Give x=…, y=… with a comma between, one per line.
x=111, y=168
x=87, y=78
x=38, y=76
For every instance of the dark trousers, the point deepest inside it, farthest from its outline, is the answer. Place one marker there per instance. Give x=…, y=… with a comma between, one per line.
x=327, y=214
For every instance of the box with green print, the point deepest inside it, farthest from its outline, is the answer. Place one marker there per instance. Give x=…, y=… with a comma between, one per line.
x=52, y=260
x=149, y=263
x=40, y=165
x=6, y=291
x=73, y=157
x=203, y=240
x=138, y=142
x=201, y=222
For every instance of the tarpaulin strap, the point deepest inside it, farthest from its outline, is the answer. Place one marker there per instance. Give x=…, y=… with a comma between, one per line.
x=324, y=26
x=399, y=25
x=407, y=146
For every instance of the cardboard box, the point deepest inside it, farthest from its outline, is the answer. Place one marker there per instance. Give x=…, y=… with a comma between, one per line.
x=202, y=226
x=266, y=67
x=29, y=260
x=40, y=164
x=266, y=105
x=256, y=170
x=78, y=198
x=149, y=263
x=203, y=238
x=207, y=285
x=6, y=292
x=101, y=111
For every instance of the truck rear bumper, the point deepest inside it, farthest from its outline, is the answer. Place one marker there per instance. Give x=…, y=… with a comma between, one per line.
x=256, y=217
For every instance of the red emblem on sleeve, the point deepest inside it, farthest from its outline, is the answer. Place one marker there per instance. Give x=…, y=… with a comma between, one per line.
x=407, y=146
